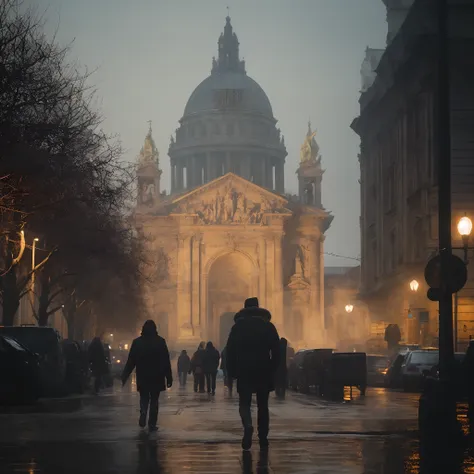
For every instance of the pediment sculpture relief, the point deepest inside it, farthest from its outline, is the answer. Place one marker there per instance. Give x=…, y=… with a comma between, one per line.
x=233, y=207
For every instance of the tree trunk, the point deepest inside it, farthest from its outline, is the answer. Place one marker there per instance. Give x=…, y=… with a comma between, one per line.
x=11, y=297
x=43, y=303
x=70, y=316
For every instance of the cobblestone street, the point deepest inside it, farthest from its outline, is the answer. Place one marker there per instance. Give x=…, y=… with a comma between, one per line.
x=202, y=435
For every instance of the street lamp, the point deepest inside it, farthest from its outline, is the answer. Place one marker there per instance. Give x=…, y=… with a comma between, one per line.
x=32, y=288
x=414, y=285
x=465, y=229
x=349, y=308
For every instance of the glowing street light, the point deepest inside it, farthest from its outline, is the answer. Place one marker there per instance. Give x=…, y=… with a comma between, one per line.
x=465, y=226
x=414, y=285
x=349, y=308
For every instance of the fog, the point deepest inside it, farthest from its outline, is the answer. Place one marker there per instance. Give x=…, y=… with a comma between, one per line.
x=150, y=55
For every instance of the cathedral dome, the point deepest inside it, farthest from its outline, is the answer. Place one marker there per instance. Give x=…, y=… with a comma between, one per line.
x=205, y=97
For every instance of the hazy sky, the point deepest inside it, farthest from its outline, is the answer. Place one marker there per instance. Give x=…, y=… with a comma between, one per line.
x=306, y=54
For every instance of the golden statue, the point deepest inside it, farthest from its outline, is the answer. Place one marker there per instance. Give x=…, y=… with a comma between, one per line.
x=309, y=149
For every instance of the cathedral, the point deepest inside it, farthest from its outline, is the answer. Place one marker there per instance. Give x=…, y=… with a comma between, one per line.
x=227, y=230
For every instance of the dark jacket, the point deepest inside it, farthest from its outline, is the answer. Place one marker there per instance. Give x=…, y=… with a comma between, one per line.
x=197, y=362
x=253, y=350
x=149, y=354
x=184, y=363
x=96, y=354
x=211, y=360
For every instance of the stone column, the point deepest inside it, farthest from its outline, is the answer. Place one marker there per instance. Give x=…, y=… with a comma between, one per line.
x=263, y=171
x=278, y=283
x=313, y=313
x=207, y=172
x=185, y=329
x=179, y=176
x=245, y=170
x=227, y=167
x=280, y=176
x=196, y=285
x=262, y=252
x=270, y=273
x=322, y=318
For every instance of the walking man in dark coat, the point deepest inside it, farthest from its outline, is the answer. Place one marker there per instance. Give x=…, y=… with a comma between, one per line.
x=184, y=368
x=253, y=356
x=149, y=355
x=197, y=367
x=97, y=361
x=211, y=365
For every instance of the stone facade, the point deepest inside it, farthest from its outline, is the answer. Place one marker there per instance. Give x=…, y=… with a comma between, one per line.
x=398, y=164
x=227, y=231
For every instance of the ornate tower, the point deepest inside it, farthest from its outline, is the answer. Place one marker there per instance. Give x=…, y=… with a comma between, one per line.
x=310, y=173
x=228, y=49
x=148, y=173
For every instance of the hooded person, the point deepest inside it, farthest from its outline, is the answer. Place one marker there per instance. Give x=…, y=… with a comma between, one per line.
x=252, y=357
x=184, y=367
x=197, y=368
x=150, y=357
x=211, y=365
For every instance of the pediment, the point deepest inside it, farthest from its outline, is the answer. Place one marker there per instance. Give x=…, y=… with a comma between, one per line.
x=230, y=199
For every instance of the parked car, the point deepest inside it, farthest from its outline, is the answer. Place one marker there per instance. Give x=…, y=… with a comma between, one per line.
x=46, y=343
x=414, y=366
x=377, y=368
x=295, y=368
x=20, y=372
x=77, y=367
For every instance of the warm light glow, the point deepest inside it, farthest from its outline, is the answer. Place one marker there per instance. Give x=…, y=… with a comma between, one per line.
x=125, y=347
x=349, y=308
x=111, y=335
x=414, y=285
x=36, y=239
x=465, y=226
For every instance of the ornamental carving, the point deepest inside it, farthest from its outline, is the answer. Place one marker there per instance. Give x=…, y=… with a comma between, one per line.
x=233, y=207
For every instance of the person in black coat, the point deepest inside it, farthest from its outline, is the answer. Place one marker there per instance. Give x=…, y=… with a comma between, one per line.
x=253, y=356
x=197, y=367
x=97, y=361
x=149, y=355
x=211, y=365
x=282, y=371
x=184, y=367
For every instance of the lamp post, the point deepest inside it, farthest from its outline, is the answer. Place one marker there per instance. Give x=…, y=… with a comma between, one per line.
x=414, y=285
x=32, y=286
x=349, y=308
x=464, y=228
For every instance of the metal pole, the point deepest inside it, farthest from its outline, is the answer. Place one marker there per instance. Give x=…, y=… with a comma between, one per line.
x=446, y=347
x=456, y=321
x=32, y=288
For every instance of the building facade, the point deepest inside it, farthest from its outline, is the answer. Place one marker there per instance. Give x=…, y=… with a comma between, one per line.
x=227, y=231
x=398, y=166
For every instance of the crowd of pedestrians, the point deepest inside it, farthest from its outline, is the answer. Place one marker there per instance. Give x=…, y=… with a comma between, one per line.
x=254, y=358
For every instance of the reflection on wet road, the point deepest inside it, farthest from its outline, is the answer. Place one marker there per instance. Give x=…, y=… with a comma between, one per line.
x=199, y=434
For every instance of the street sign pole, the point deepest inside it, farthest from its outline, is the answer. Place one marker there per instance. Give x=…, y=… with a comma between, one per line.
x=446, y=347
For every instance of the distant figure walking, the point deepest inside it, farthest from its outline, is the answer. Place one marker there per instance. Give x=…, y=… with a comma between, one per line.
x=211, y=365
x=281, y=375
x=97, y=361
x=228, y=381
x=197, y=367
x=253, y=356
x=149, y=355
x=184, y=368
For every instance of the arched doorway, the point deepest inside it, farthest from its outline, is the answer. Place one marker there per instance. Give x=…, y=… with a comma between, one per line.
x=226, y=321
x=229, y=283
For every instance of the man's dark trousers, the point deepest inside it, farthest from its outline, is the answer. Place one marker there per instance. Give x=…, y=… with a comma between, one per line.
x=263, y=416
x=150, y=399
x=211, y=382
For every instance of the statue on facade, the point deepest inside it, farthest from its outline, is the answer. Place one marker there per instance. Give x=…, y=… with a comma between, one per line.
x=299, y=262
x=229, y=207
x=148, y=193
x=240, y=212
x=309, y=149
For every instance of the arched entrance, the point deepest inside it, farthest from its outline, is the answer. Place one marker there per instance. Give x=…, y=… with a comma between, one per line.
x=230, y=282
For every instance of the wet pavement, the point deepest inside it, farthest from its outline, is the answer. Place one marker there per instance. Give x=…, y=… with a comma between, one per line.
x=201, y=434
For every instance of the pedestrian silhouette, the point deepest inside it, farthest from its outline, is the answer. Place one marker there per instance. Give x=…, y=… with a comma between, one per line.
x=253, y=355
x=228, y=381
x=197, y=367
x=149, y=355
x=97, y=361
x=211, y=365
x=184, y=368
x=281, y=376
